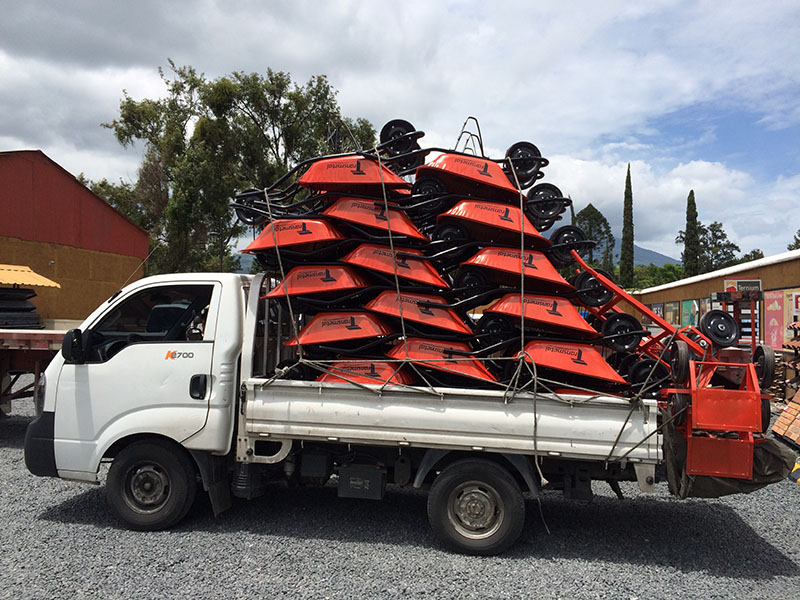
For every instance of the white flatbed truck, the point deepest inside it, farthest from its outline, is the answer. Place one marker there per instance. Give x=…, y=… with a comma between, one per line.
x=170, y=381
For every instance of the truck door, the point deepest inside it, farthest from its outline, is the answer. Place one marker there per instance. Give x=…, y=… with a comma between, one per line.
x=147, y=369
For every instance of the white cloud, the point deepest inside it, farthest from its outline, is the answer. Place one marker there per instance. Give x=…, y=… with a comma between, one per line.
x=587, y=82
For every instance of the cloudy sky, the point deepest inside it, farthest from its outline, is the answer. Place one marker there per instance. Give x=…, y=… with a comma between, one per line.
x=694, y=95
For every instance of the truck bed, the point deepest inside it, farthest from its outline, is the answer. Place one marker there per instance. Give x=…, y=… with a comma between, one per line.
x=571, y=426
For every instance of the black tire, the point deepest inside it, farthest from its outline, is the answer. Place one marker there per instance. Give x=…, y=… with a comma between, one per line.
x=428, y=186
x=415, y=158
x=249, y=217
x=590, y=291
x=472, y=278
x=677, y=405
x=496, y=327
x=640, y=372
x=720, y=328
x=545, y=201
x=476, y=507
x=395, y=130
x=524, y=160
x=679, y=361
x=151, y=485
x=567, y=235
x=764, y=359
x=619, y=324
x=452, y=233
x=766, y=414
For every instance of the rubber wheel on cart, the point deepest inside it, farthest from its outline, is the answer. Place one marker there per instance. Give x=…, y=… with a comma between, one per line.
x=472, y=278
x=395, y=130
x=679, y=361
x=567, y=237
x=476, y=507
x=651, y=372
x=764, y=359
x=677, y=405
x=452, y=233
x=590, y=291
x=428, y=186
x=496, y=328
x=720, y=328
x=249, y=217
x=619, y=324
x=766, y=414
x=545, y=201
x=151, y=485
x=524, y=160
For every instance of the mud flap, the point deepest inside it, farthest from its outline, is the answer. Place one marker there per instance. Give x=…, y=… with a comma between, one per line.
x=772, y=462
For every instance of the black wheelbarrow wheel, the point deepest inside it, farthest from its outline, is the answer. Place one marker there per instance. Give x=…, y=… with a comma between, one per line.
x=615, y=329
x=649, y=376
x=524, y=160
x=392, y=135
x=544, y=202
x=472, y=278
x=452, y=233
x=495, y=328
x=249, y=217
x=590, y=291
x=720, y=328
x=428, y=186
x=565, y=237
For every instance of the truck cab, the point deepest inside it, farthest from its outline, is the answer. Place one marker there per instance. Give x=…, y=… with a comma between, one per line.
x=160, y=356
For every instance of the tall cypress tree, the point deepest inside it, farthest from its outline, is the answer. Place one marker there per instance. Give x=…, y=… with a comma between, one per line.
x=691, y=239
x=626, y=247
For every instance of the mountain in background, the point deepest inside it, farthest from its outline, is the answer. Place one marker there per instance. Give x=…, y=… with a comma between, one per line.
x=246, y=261
x=643, y=256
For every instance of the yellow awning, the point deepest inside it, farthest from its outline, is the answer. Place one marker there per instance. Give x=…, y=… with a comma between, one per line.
x=23, y=276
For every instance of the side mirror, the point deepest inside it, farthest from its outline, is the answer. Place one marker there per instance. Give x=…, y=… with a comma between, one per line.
x=72, y=347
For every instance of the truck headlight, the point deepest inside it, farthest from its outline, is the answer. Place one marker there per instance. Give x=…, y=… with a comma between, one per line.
x=38, y=394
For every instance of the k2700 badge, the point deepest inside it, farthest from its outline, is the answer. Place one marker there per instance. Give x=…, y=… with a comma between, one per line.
x=175, y=354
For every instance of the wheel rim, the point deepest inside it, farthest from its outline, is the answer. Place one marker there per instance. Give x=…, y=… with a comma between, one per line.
x=618, y=325
x=591, y=291
x=475, y=510
x=569, y=236
x=720, y=328
x=472, y=278
x=147, y=488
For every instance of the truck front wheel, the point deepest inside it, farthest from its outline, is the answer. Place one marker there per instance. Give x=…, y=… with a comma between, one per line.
x=476, y=507
x=151, y=485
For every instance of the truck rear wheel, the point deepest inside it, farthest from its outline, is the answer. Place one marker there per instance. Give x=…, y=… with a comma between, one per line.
x=151, y=485
x=476, y=507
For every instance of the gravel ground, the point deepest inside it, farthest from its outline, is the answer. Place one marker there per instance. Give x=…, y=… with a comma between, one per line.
x=59, y=540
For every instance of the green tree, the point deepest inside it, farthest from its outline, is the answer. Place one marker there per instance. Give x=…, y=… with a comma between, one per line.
x=795, y=245
x=754, y=254
x=206, y=139
x=626, y=245
x=720, y=251
x=717, y=251
x=690, y=257
x=652, y=275
x=596, y=227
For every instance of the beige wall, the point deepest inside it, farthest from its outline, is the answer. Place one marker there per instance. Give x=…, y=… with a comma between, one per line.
x=777, y=276
x=87, y=277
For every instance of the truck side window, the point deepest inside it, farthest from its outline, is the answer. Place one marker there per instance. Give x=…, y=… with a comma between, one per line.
x=158, y=314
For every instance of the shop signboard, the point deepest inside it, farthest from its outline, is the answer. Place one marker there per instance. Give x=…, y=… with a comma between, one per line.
x=773, y=318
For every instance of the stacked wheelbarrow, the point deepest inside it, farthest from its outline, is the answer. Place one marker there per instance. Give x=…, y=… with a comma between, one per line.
x=404, y=265
x=399, y=269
